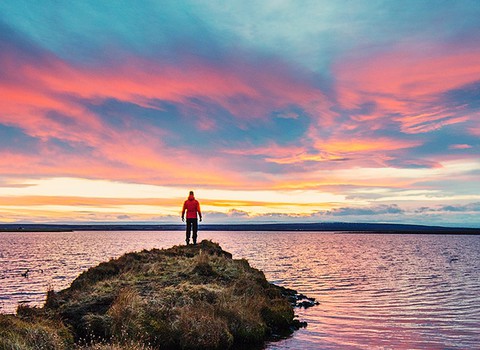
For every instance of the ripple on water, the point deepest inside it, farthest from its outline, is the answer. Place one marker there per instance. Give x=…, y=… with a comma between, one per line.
x=375, y=291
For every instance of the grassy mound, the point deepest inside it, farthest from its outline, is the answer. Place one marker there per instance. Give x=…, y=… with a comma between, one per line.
x=185, y=297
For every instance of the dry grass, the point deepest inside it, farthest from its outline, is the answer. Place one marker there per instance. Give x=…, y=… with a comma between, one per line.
x=201, y=328
x=114, y=346
x=186, y=297
x=39, y=334
x=125, y=312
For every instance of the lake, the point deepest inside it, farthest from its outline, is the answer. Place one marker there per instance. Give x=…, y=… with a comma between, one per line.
x=376, y=291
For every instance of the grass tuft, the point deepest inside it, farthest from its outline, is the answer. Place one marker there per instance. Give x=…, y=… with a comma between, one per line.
x=34, y=333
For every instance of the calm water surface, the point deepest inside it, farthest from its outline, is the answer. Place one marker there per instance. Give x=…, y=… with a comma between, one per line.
x=376, y=291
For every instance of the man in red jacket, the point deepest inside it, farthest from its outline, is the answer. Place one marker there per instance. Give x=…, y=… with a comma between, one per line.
x=192, y=207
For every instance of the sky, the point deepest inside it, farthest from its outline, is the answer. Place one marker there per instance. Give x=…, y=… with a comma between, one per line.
x=271, y=111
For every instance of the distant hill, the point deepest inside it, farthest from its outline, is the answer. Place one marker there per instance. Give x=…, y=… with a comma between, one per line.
x=326, y=226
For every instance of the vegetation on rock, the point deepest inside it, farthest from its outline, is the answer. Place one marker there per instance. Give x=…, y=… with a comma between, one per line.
x=185, y=297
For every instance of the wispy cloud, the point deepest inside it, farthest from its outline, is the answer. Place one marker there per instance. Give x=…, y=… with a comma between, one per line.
x=302, y=107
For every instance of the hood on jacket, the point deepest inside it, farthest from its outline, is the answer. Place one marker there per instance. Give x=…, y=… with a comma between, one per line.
x=191, y=197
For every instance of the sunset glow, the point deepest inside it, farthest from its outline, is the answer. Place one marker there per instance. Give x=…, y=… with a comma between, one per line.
x=270, y=111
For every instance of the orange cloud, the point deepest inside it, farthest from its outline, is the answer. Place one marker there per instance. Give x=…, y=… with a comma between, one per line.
x=125, y=161
x=85, y=201
x=362, y=145
x=36, y=201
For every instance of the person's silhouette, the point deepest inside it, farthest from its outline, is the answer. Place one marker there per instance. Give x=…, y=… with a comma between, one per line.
x=192, y=207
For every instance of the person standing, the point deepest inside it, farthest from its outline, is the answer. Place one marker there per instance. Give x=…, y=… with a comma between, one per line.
x=192, y=207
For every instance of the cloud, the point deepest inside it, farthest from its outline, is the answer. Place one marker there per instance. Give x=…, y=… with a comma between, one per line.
x=460, y=146
x=378, y=210
x=237, y=213
x=408, y=85
x=286, y=99
x=52, y=102
x=471, y=207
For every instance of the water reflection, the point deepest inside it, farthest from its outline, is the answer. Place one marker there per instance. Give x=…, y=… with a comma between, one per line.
x=375, y=291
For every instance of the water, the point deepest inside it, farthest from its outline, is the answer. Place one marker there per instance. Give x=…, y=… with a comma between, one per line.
x=376, y=291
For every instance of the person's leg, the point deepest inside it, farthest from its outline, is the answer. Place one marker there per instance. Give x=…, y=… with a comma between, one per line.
x=189, y=228
x=195, y=230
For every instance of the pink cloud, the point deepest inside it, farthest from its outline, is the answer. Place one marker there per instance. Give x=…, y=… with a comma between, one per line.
x=339, y=152
x=56, y=88
x=460, y=146
x=408, y=82
x=475, y=131
x=128, y=161
x=247, y=91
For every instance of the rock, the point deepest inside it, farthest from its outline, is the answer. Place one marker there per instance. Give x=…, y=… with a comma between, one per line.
x=306, y=304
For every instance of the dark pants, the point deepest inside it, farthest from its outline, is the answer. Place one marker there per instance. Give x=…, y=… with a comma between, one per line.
x=192, y=225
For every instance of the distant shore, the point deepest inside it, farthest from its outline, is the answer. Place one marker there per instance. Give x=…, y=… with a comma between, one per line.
x=308, y=227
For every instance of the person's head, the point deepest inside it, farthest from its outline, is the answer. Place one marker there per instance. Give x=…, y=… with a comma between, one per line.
x=191, y=193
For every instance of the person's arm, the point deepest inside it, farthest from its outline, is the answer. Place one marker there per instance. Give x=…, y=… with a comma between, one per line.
x=199, y=211
x=183, y=212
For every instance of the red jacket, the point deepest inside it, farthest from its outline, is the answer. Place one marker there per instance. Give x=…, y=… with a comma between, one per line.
x=192, y=206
